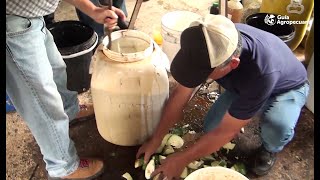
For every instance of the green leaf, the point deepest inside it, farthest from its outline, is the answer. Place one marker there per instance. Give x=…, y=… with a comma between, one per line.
x=156, y=160
x=144, y=166
x=223, y=163
x=240, y=167
x=180, y=131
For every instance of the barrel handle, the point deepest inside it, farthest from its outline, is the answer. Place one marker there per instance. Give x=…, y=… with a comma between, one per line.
x=164, y=58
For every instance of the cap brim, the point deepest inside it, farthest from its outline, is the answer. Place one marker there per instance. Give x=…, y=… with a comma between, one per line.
x=186, y=72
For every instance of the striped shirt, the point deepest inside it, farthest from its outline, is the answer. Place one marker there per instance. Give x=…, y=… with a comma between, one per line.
x=31, y=8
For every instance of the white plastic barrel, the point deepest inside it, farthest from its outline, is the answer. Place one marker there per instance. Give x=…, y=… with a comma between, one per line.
x=172, y=25
x=129, y=87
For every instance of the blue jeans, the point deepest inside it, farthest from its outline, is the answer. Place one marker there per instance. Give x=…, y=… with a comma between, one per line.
x=36, y=84
x=279, y=116
x=99, y=28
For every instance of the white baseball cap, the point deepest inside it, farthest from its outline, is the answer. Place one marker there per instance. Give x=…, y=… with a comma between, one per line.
x=221, y=37
x=206, y=44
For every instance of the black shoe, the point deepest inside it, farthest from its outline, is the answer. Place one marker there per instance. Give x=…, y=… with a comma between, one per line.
x=263, y=161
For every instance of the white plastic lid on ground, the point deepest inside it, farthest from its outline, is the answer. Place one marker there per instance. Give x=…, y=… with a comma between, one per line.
x=216, y=173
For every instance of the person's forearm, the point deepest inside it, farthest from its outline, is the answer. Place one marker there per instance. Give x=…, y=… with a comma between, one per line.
x=86, y=6
x=173, y=111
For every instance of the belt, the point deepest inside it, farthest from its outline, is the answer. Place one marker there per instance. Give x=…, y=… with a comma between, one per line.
x=302, y=84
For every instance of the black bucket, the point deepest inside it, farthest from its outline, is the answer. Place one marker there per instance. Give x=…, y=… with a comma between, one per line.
x=76, y=43
x=285, y=32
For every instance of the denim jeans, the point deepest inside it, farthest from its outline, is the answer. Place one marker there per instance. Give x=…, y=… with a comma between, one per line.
x=99, y=28
x=36, y=84
x=278, y=119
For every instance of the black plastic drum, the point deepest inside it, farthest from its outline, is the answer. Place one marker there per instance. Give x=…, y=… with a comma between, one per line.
x=76, y=43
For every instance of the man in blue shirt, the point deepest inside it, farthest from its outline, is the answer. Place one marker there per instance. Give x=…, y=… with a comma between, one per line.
x=260, y=74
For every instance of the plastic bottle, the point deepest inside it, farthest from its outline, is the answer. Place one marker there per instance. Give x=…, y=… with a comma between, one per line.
x=297, y=10
x=156, y=34
x=214, y=9
x=235, y=9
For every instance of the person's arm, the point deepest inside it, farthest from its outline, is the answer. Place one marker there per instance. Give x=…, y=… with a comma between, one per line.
x=171, y=114
x=86, y=6
x=173, y=110
x=99, y=14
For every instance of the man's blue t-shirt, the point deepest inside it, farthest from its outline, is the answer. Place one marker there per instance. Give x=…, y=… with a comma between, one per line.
x=267, y=68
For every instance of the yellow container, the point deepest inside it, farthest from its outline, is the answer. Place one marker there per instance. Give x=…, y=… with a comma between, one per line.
x=156, y=34
x=129, y=87
x=297, y=10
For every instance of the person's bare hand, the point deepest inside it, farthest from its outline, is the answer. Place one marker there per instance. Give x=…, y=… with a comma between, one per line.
x=148, y=149
x=171, y=167
x=108, y=17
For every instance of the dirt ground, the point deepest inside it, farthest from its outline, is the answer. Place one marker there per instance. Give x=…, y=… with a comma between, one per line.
x=24, y=160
